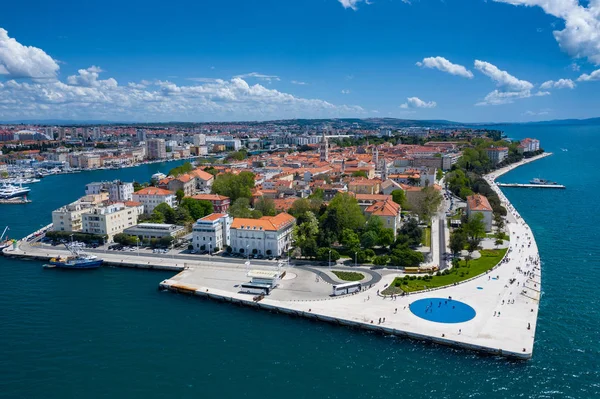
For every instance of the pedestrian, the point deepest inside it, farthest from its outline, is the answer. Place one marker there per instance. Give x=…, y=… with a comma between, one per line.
x=396, y=311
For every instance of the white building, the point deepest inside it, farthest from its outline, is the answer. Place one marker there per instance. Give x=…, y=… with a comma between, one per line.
x=199, y=140
x=497, y=154
x=212, y=232
x=151, y=197
x=69, y=217
x=478, y=203
x=117, y=190
x=149, y=231
x=110, y=219
x=269, y=235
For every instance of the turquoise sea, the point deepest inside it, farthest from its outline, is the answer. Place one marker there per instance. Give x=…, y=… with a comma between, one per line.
x=110, y=333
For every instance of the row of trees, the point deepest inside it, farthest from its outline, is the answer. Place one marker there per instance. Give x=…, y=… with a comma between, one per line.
x=188, y=211
x=234, y=186
x=128, y=240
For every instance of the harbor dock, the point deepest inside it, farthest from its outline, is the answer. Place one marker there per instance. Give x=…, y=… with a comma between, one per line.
x=527, y=185
x=14, y=201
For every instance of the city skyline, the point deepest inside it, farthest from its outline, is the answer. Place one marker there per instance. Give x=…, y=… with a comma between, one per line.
x=473, y=61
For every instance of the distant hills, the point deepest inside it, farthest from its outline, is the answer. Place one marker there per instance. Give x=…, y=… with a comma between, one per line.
x=373, y=123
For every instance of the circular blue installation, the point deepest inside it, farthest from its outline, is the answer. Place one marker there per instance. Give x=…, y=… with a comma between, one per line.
x=442, y=310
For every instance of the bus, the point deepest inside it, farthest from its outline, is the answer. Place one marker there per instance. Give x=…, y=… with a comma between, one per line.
x=346, y=288
x=261, y=289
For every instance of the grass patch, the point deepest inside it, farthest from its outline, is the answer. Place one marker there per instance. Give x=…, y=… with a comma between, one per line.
x=348, y=276
x=489, y=259
x=426, y=238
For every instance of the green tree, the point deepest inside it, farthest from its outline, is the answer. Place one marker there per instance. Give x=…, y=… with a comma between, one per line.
x=234, y=186
x=386, y=237
x=181, y=170
x=305, y=234
x=381, y=260
x=399, y=197
x=350, y=240
x=182, y=216
x=360, y=173
x=475, y=231
x=429, y=202
x=369, y=239
x=349, y=214
x=240, y=208
x=179, y=194
x=375, y=224
x=164, y=213
x=197, y=208
x=411, y=231
x=439, y=174
x=458, y=240
x=237, y=155
x=266, y=206
x=326, y=254
x=406, y=257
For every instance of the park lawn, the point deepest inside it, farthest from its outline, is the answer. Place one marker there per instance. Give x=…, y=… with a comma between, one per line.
x=348, y=276
x=489, y=259
x=426, y=238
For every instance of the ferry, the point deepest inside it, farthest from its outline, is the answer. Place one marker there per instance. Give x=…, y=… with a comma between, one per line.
x=11, y=191
x=543, y=182
x=78, y=260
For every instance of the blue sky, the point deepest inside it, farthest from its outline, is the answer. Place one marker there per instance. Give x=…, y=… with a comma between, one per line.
x=462, y=60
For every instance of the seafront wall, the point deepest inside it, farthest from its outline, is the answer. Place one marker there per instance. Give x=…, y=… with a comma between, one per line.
x=238, y=299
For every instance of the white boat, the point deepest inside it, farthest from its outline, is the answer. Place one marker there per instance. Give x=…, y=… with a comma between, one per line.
x=11, y=191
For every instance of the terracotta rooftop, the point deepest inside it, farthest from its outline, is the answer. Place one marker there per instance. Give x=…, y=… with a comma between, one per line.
x=478, y=202
x=153, y=191
x=268, y=223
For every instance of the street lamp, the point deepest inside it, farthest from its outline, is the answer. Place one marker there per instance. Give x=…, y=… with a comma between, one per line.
x=330, y=258
x=355, y=259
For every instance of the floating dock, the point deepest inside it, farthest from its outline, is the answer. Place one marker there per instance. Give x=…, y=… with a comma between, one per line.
x=520, y=185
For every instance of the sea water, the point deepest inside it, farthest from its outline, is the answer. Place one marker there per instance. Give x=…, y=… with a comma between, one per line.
x=110, y=333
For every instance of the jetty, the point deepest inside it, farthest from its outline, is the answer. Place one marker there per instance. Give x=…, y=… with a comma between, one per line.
x=527, y=185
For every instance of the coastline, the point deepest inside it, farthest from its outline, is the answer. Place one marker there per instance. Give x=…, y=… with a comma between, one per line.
x=502, y=171
x=511, y=335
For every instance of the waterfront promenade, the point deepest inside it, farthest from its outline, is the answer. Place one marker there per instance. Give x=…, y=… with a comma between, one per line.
x=505, y=300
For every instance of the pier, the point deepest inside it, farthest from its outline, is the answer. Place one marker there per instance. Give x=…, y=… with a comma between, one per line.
x=521, y=185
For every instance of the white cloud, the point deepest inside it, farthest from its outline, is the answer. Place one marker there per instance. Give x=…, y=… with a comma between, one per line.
x=580, y=37
x=574, y=67
x=162, y=100
x=296, y=82
x=509, y=89
x=203, y=80
x=559, y=84
x=89, y=78
x=534, y=113
x=350, y=4
x=416, y=102
x=498, y=97
x=19, y=61
x=592, y=76
x=502, y=78
x=444, y=65
x=86, y=96
x=259, y=76
x=345, y=91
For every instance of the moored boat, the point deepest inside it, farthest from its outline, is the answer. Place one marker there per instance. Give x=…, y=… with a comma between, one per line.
x=78, y=260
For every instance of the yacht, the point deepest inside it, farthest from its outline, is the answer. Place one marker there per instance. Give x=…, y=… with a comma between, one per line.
x=11, y=191
x=542, y=182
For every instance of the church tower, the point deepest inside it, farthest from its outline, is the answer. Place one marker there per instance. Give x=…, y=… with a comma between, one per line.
x=324, y=148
